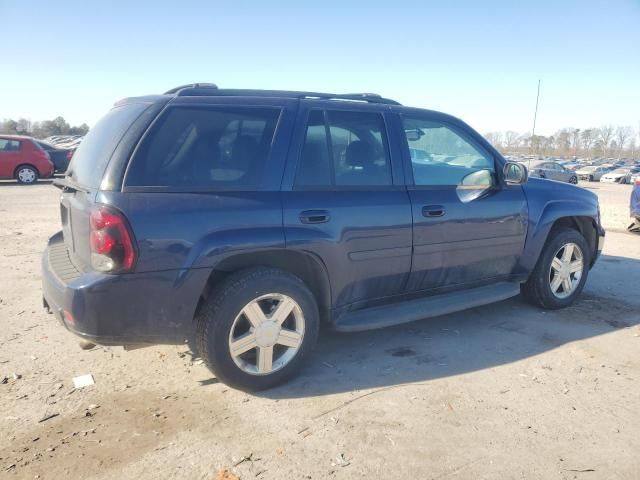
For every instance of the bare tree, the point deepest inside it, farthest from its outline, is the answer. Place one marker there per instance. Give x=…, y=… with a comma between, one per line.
x=605, y=135
x=494, y=138
x=562, y=140
x=575, y=140
x=588, y=138
x=606, y=140
x=24, y=126
x=511, y=139
x=622, y=135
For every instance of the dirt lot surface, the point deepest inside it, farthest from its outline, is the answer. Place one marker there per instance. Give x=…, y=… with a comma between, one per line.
x=503, y=391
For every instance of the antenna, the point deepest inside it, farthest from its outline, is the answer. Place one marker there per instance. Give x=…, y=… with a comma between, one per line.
x=535, y=116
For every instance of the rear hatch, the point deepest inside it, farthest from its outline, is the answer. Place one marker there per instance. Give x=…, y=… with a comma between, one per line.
x=84, y=177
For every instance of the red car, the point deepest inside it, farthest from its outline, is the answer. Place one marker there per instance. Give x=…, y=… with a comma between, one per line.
x=23, y=159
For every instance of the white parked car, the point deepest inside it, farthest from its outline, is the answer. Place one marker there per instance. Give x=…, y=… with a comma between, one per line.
x=619, y=175
x=592, y=173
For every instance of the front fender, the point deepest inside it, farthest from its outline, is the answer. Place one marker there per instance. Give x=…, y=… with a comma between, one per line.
x=547, y=204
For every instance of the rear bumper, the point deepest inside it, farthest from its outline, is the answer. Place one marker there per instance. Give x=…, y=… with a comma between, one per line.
x=47, y=171
x=142, y=308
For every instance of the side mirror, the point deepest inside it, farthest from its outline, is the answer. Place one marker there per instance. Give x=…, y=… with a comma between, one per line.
x=475, y=185
x=414, y=135
x=515, y=173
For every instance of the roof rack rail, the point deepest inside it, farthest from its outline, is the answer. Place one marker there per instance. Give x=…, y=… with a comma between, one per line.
x=210, y=89
x=360, y=97
x=177, y=90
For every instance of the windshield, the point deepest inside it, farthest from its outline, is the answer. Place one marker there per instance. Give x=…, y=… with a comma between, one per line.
x=589, y=169
x=621, y=170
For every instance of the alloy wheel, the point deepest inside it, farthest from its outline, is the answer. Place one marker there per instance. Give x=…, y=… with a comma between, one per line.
x=566, y=270
x=267, y=334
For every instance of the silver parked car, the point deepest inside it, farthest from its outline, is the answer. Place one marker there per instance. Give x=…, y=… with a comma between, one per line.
x=552, y=171
x=619, y=175
x=591, y=173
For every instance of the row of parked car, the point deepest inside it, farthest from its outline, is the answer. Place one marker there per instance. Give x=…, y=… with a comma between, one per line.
x=600, y=173
x=602, y=170
x=26, y=158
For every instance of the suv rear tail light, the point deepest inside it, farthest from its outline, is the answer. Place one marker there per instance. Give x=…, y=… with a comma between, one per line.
x=112, y=244
x=70, y=154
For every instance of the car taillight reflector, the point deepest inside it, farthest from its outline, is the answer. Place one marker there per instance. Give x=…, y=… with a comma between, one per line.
x=112, y=245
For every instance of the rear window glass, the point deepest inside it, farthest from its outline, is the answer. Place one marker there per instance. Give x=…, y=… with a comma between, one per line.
x=213, y=147
x=92, y=156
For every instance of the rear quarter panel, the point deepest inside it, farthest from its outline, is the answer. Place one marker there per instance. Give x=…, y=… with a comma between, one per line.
x=181, y=231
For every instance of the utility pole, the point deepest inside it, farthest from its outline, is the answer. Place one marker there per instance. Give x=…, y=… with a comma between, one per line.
x=535, y=115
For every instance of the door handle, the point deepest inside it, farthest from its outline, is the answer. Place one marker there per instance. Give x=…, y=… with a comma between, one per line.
x=314, y=216
x=433, y=211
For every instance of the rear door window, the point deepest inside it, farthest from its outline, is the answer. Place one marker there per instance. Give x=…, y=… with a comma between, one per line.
x=344, y=149
x=92, y=156
x=7, y=145
x=213, y=147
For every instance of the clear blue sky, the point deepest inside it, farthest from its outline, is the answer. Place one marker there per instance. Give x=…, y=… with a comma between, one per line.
x=479, y=60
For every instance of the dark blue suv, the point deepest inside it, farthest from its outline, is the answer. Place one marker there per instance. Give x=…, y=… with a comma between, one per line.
x=243, y=219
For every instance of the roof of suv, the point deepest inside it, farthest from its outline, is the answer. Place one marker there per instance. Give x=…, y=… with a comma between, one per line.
x=211, y=90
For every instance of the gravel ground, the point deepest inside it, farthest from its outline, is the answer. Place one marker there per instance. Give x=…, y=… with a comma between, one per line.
x=503, y=391
x=614, y=204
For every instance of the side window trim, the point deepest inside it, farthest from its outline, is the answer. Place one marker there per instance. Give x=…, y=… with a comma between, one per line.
x=406, y=156
x=327, y=132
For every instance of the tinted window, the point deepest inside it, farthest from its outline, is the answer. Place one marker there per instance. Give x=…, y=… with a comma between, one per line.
x=92, y=156
x=206, y=147
x=344, y=148
x=7, y=145
x=440, y=156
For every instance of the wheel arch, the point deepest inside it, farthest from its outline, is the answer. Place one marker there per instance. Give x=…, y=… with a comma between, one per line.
x=15, y=170
x=575, y=215
x=306, y=266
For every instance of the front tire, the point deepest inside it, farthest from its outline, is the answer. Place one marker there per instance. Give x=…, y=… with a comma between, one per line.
x=591, y=178
x=573, y=180
x=26, y=175
x=257, y=328
x=561, y=272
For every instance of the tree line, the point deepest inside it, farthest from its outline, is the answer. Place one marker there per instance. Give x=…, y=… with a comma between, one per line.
x=43, y=129
x=606, y=141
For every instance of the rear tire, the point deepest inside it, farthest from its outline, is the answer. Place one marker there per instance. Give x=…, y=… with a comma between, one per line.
x=556, y=280
x=26, y=175
x=573, y=180
x=257, y=328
